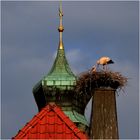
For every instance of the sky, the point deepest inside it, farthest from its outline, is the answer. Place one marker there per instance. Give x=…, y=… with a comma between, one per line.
x=29, y=40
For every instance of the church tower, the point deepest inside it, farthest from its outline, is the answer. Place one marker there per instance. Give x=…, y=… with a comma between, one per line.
x=58, y=85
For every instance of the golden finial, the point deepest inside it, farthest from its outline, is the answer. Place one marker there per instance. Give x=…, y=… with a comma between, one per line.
x=61, y=28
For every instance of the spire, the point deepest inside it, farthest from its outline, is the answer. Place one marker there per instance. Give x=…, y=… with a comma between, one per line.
x=60, y=28
x=60, y=74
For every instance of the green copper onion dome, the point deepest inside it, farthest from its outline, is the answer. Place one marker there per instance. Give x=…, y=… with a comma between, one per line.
x=60, y=75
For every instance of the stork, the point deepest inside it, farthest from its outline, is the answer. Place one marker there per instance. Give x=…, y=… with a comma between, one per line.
x=104, y=61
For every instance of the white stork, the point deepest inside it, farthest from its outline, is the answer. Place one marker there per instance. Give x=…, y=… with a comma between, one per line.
x=104, y=61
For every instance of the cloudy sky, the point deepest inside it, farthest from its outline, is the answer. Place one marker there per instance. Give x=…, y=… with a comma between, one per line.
x=92, y=29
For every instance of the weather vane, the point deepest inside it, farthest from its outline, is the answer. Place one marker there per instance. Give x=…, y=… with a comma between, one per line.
x=60, y=9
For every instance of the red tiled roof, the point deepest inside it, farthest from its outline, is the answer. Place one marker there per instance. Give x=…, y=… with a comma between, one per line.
x=50, y=123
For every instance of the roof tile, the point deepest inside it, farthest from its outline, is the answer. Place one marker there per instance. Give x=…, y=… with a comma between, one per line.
x=50, y=123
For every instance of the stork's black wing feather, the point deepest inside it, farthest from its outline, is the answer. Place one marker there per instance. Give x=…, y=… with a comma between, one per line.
x=110, y=62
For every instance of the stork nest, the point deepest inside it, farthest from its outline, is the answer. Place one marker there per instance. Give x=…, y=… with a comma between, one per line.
x=103, y=79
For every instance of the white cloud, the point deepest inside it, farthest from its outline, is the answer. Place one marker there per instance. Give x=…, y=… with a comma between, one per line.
x=78, y=60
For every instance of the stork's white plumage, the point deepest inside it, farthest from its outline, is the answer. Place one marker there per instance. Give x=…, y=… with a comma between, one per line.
x=104, y=61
